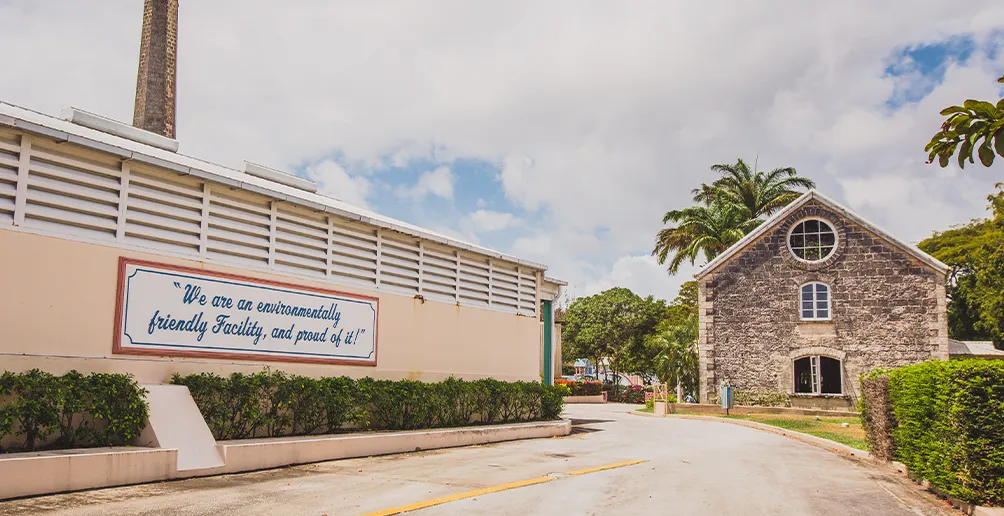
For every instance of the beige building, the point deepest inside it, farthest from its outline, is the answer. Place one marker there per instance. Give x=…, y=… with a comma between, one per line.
x=118, y=254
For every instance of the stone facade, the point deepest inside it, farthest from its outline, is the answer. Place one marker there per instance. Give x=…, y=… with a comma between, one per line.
x=888, y=309
x=156, y=84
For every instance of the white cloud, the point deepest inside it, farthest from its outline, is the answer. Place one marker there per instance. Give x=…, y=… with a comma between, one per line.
x=642, y=274
x=438, y=182
x=488, y=221
x=595, y=128
x=334, y=181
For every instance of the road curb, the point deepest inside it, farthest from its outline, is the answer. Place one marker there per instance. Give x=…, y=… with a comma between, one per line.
x=839, y=449
x=819, y=442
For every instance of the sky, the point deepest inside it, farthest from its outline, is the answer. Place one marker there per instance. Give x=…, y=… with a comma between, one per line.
x=557, y=131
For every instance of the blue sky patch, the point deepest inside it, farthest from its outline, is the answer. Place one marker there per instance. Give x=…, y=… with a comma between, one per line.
x=922, y=66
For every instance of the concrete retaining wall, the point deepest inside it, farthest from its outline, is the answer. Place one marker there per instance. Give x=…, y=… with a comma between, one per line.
x=72, y=470
x=35, y=473
x=253, y=454
x=696, y=408
x=599, y=398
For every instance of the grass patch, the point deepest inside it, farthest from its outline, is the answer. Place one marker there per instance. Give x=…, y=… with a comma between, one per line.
x=826, y=427
x=646, y=410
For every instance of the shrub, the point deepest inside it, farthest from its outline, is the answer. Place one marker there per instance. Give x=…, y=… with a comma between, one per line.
x=947, y=425
x=278, y=404
x=582, y=387
x=99, y=409
x=876, y=416
x=754, y=398
x=620, y=394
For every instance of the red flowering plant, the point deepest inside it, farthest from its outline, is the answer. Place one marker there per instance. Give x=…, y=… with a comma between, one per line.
x=581, y=387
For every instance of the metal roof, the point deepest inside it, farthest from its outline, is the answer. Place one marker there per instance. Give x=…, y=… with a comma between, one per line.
x=963, y=348
x=62, y=130
x=778, y=217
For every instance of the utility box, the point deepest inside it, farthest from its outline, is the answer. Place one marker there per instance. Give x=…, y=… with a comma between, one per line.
x=728, y=397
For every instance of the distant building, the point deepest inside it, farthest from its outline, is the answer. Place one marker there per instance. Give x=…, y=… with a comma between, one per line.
x=974, y=349
x=813, y=298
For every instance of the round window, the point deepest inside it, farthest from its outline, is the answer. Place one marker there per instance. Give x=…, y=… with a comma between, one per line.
x=812, y=240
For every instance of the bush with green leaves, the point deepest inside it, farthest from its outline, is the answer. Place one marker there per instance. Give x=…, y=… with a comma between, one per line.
x=41, y=411
x=753, y=398
x=276, y=404
x=947, y=425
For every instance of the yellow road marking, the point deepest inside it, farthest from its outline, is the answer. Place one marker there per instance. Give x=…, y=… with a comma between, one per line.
x=608, y=466
x=496, y=489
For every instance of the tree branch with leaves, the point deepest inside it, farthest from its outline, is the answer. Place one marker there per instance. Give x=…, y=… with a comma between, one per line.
x=977, y=126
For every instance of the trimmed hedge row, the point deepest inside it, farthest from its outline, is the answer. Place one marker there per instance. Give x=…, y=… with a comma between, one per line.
x=946, y=423
x=98, y=409
x=276, y=404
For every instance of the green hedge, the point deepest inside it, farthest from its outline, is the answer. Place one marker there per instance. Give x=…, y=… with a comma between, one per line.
x=753, y=398
x=948, y=426
x=276, y=404
x=41, y=411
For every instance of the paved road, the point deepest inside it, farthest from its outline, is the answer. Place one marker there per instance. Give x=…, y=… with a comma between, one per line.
x=694, y=467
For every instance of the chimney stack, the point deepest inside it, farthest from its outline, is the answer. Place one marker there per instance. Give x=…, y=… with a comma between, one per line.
x=156, y=85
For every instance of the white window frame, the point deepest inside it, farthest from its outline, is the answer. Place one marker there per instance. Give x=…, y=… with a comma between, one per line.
x=836, y=239
x=816, y=375
x=816, y=301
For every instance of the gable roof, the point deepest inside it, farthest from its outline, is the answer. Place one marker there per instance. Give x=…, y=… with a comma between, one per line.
x=811, y=195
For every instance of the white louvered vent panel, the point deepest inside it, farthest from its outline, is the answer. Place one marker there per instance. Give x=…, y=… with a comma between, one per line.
x=399, y=263
x=505, y=286
x=163, y=211
x=353, y=253
x=75, y=192
x=439, y=274
x=527, y=292
x=474, y=274
x=238, y=228
x=71, y=194
x=301, y=242
x=10, y=152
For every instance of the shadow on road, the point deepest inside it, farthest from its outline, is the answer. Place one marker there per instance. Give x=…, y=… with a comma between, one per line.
x=579, y=425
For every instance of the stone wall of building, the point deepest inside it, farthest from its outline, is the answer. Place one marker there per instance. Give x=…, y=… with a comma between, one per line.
x=888, y=310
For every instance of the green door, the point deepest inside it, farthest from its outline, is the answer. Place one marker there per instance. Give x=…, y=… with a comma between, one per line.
x=548, y=346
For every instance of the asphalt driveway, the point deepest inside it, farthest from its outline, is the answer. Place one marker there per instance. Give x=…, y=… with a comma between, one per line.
x=691, y=467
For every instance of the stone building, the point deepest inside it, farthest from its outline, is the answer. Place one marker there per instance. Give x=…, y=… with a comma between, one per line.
x=813, y=298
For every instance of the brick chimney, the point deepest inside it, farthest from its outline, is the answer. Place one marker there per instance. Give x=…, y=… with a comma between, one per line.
x=156, y=85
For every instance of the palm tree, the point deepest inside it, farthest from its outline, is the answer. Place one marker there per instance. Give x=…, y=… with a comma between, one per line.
x=707, y=229
x=762, y=193
x=677, y=362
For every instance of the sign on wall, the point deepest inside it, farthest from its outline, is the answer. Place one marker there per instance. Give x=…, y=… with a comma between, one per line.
x=167, y=310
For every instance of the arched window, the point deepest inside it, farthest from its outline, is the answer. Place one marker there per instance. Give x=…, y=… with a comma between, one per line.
x=815, y=301
x=818, y=375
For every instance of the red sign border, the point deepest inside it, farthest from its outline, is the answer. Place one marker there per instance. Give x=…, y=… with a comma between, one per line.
x=117, y=348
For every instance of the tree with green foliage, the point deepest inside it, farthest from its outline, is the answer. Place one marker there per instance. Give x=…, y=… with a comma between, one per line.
x=762, y=193
x=654, y=358
x=676, y=360
x=727, y=209
x=684, y=305
x=975, y=253
x=707, y=229
x=975, y=126
x=611, y=325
